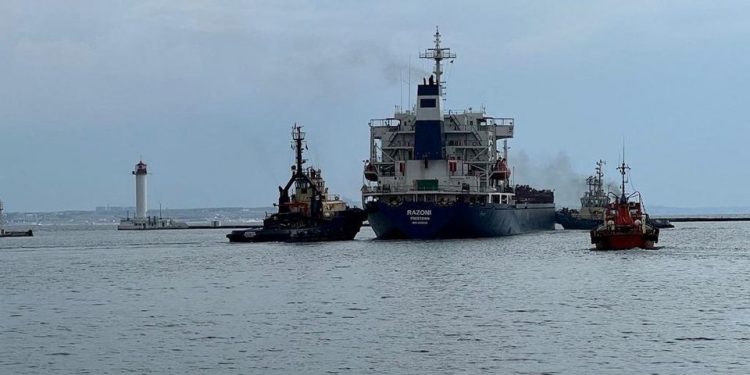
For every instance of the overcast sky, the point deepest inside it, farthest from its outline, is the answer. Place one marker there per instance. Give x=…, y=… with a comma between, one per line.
x=206, y=92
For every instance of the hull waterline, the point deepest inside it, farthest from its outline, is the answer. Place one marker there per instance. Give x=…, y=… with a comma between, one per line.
x=433, y=221
x=625, y=242
x=344, y=227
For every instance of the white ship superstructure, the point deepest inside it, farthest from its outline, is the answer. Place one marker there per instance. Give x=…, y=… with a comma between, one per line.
x=433, y=158
x=445, y=153
x=594, y=201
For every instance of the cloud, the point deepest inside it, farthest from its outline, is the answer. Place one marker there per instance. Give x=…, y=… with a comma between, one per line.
x=215, y=78
x=55, y=53
x=562, y=30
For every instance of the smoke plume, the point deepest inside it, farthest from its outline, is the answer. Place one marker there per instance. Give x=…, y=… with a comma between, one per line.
x=556, y=174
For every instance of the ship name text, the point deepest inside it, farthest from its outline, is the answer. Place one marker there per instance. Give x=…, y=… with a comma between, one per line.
x=419, y=212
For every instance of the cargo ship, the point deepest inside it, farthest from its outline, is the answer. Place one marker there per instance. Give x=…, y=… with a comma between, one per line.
x=624, y=225
x=310, y=213
x=434, y=173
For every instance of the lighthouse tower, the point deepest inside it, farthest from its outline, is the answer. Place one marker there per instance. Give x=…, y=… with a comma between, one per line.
x=140, y=221
x=140, y=173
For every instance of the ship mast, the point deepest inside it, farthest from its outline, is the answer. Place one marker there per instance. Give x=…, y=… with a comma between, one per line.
x=623, y=168
x=600, y=177
x=299, y=177
x=438, y=54
x=297, y=138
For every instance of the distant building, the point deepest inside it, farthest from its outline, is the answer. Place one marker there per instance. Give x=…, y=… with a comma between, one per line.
x=114, y=209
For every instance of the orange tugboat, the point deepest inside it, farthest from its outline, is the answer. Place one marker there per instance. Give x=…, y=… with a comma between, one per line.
x=625, y=225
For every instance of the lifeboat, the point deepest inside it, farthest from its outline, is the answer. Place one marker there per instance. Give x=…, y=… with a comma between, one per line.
x=500, y=171
x=371, y=173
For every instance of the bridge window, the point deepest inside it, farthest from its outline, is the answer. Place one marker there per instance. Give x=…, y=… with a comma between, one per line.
x=427, y=103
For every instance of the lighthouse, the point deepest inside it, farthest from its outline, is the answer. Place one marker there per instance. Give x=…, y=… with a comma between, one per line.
x=140, y=173
x=140, y=221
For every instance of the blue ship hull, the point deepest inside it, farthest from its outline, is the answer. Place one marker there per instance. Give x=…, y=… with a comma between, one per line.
x=569, y=222
x=426, y=220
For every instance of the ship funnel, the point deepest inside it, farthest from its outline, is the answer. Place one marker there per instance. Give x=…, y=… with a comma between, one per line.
x=428, y=129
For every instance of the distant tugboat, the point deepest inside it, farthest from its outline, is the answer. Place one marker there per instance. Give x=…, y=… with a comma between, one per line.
x=593, y=204
x=625, y=225
x=308, y=215
x=12, y=233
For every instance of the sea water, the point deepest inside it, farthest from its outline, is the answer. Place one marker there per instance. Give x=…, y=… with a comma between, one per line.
x=98, y=301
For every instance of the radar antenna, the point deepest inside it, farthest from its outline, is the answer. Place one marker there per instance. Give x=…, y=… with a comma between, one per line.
x=438, y=54
x=623, y=168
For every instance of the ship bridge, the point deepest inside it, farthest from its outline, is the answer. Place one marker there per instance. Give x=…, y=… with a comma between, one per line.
x=427, y=149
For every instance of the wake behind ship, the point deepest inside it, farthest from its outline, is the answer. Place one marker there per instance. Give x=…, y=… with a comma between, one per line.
x=433, y=174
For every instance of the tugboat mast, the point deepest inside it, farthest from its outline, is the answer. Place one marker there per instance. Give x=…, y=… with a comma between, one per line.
x=438, y=54
x=623, y=168
x=600, y=177
x=297, y=138
x=299, y=178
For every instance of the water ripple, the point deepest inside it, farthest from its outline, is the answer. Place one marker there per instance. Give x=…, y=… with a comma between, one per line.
x=186, y=301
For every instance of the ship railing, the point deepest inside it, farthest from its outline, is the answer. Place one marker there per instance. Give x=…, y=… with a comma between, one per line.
x=412, y=190
x=457, y=124
x=464, y=144
x=499, y=121
x=387, y=172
